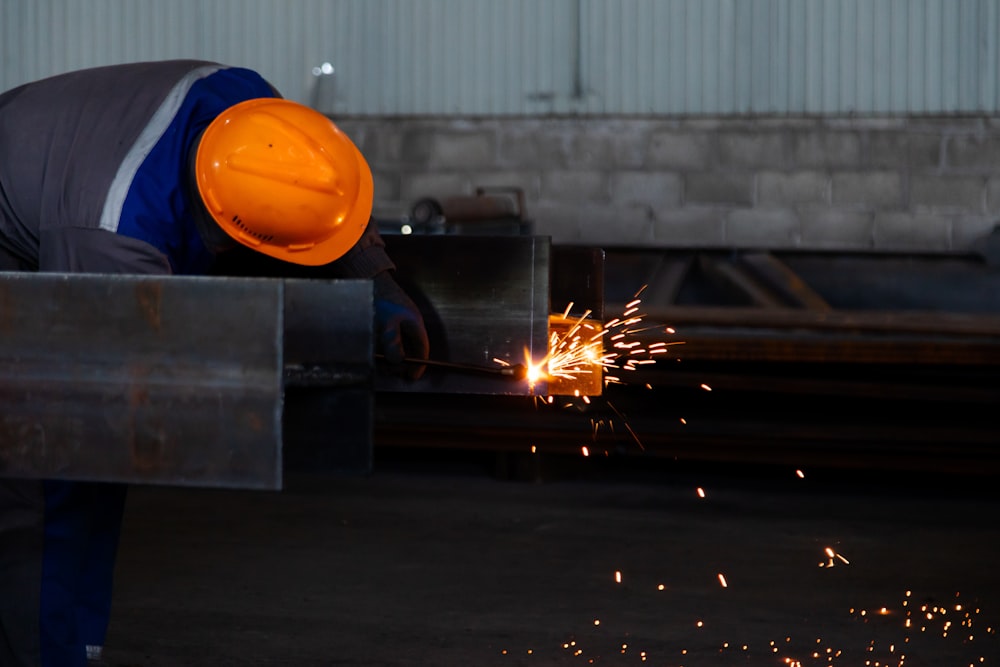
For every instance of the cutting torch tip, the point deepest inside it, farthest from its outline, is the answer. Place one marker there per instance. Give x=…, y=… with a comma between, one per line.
x=517, y=371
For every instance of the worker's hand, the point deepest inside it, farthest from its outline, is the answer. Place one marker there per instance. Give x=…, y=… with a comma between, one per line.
x=399, y=327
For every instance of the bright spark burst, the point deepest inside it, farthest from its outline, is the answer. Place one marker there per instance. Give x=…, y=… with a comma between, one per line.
x=585, y=352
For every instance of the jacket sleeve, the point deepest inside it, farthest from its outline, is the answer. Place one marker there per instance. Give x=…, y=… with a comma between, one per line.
x=366, y=258
x=84, y=250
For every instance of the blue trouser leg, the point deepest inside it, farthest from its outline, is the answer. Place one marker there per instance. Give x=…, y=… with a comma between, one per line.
x=82, y=525
x=94, y=594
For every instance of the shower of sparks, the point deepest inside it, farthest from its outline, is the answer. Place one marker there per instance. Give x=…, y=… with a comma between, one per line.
x=581, y=348
x=586, y=355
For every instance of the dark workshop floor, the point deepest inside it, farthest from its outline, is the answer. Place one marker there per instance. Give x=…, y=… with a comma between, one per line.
x=439, y=565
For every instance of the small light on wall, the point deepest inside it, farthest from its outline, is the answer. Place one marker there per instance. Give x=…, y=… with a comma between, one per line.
x=406, y=229
x=325, y=68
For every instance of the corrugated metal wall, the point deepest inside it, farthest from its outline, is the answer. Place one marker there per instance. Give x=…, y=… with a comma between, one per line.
x=527, y=57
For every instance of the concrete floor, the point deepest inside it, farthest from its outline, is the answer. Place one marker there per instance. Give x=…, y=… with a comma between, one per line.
x=440, y=565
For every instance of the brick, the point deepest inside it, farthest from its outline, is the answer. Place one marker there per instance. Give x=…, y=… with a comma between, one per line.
x=912, y=231
x=826, y=149
x=549, y=149
x=959, y=193
x=763, y=228
x=387, y=186
x=863, y=123
x=883, y=189
x=390, y=210
x=752, y=149
x=715, y=188
x=679, y=150
x=415, y=147
x=440, y=185
x=462, y=149
x=904, y=150
x=993, y=195
x=973, y=152
x=780, y=123
x=591, y=148
x=575, y=186
x=709, y=124
x=598, y=225
x=656, y=189
x=690, y=226
x=559, y=221
x=793, y=187
x=380, y=143
x=836, y=228
x=947, y=124
x=968, y=230
x=630, y=146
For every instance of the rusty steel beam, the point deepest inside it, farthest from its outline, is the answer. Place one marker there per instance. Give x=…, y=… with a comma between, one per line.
x=166, y=380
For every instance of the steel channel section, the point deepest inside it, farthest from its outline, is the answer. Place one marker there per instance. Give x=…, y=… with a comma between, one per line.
x=160, y=380
x=482, y=299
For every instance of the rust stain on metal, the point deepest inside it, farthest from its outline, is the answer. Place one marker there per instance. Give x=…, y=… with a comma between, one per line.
x=149, y=297
x=145, y=434
x=255, y=422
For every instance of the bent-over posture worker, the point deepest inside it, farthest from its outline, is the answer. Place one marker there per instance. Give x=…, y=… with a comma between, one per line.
x=155, y=168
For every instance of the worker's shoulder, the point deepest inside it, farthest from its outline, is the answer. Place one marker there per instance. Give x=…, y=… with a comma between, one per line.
x=132, y=73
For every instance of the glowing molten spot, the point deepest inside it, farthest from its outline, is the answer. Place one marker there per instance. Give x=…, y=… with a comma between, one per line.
x=535, y=373
x=582, y=351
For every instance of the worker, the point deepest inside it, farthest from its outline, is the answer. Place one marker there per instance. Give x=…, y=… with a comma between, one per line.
x=158, y=168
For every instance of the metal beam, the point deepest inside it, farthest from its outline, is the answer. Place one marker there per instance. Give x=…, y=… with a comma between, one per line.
x=483, y=298
x=166, y=380
x=328, y=415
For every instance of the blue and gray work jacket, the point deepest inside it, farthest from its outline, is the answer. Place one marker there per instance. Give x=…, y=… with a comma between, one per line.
x=95, y=169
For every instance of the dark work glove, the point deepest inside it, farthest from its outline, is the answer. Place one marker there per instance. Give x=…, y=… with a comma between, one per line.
x=399, y=326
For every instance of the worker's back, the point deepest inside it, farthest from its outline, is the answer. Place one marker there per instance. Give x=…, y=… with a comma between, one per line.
x=107, y=148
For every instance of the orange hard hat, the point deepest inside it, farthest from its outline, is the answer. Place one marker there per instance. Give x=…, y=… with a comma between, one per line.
x=282, y=179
